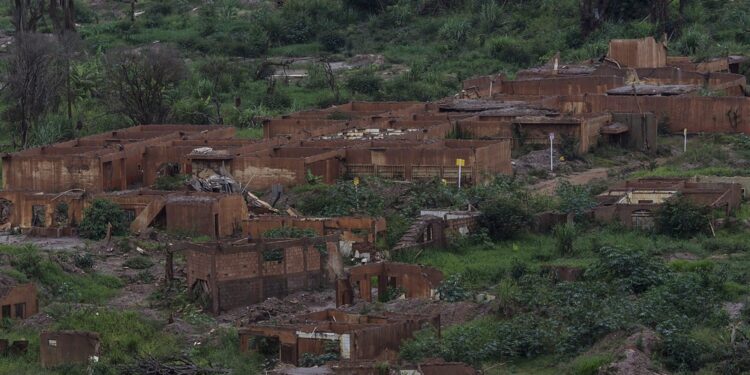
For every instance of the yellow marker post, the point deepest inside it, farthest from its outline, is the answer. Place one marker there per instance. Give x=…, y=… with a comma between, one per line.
x=355, y=181
x=460, y=163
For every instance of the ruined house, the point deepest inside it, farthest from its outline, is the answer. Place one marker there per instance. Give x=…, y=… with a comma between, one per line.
x=434, y=227
x=17, y=300
x=372, y=281
x=635, y=203
x=98, y=163
x=67, y=348
x=225, y=275
x=356, y=233
x=352, y=337
x=638, y=53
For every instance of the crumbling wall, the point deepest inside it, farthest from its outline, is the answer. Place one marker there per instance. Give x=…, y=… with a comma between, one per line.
x=413, y=280
x=18, y=301
x=67, y=348
x=216, y=216
x=240, y=275
x=638, y=53
x=694, y=113
x=27, y=210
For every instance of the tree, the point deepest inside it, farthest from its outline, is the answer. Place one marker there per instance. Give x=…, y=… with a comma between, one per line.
x=139, y=82
x=26, y=14
x=98, y=217
x=681, y=218
x=592, y=15
x=35, y=78
x=504, y=218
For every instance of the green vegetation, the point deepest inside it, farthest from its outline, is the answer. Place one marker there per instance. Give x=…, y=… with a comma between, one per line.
x=418, y=50
x=289, y=232
x=175, y=182
x=30, y=264
x=99, y=216
x=139, y=262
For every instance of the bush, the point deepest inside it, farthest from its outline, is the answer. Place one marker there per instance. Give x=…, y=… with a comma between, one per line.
x=332, y=41
x=510, y=50
x=166, y=182
x=633, y=270
x=681, y=218
x=575, y=199
x=590, y=364
x=455, y=33
x=452, y=290
x=277, y=100
x=683, y=353
x=289, y=232
x=364, y=82
x=564, y=235
x=96, y=218
x=504, y=218
x=139, y=263
x=84, y=261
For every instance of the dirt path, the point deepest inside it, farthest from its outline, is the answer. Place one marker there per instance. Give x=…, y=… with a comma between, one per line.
x=548, y=187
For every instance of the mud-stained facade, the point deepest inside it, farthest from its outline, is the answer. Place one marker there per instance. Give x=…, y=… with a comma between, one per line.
x=371, y=282
x=17, y=300
x=227, y=275
x=635, y=203
x=352, y=336
x=68, y=348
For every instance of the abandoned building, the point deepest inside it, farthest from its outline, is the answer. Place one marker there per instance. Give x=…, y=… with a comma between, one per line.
x=356, y=233
x=352, y=337
x=225, y=275
x=17, y=300
x=634, y=203
x=67, y=348
x=428, y=367
x=371, y=282
x=433, y=228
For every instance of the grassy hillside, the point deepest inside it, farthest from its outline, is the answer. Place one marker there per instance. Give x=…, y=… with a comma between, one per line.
x=397, y=50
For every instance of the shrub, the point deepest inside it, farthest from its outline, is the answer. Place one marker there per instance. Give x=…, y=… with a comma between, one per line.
x=139, y=263
x=634, y=270
x=424, y=344
x=510, y=50
x=504, y=218
x=100, y=214
x=681, y=218
x=166, y=182
x=364, y=82
x=569, y=146
x=277, y=100
x=452, y=290
x=590, y=364
x=332, y=41
x=455, y=32
x=84, y=261
x=575, y=199
x=289, y=232
x=564, y=235
x=683, y=353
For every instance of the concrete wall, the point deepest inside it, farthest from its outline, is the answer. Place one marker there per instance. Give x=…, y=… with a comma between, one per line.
x=67, y=347
x=696, y=114
x=638, y=53
x=241, y=275
x=23, y=295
